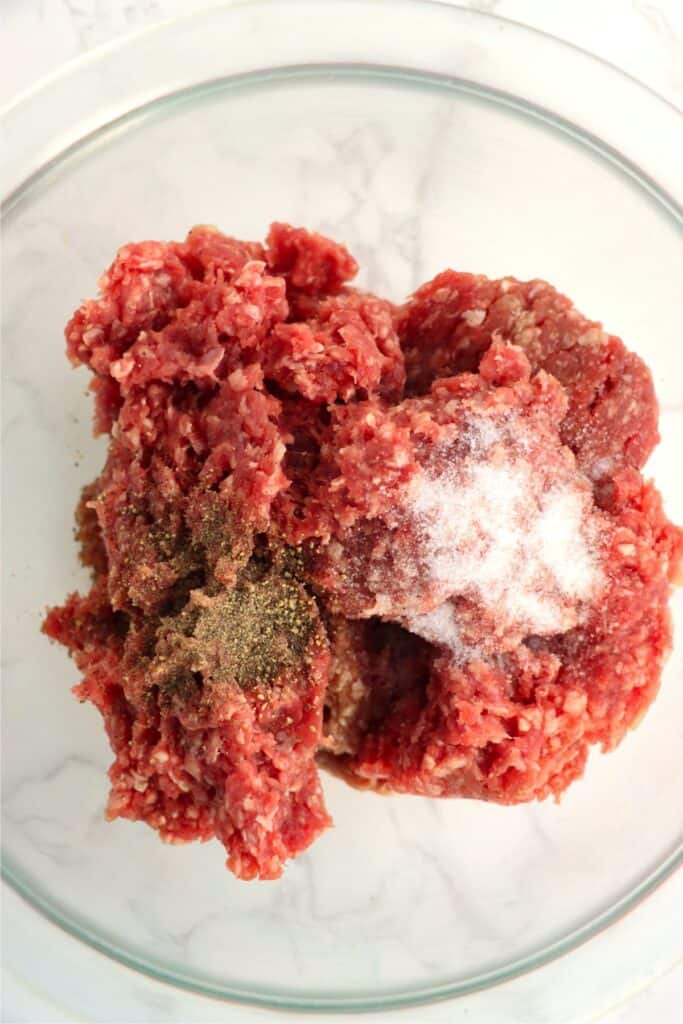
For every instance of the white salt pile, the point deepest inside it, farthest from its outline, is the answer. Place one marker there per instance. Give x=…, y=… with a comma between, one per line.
x=507, y=535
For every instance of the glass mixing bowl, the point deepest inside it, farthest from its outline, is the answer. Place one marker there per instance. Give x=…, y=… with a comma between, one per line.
x=423, y=136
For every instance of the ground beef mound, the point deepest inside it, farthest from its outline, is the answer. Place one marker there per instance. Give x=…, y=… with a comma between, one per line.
x=449, y=323
x=409, y=544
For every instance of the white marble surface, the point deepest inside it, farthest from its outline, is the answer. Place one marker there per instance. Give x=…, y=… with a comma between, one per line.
x=645, y=39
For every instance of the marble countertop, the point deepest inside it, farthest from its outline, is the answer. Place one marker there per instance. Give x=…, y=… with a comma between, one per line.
x=645, y=39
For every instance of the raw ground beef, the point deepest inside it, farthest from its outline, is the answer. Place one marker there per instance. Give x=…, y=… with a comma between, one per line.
x=449, y=323
x=410, y=544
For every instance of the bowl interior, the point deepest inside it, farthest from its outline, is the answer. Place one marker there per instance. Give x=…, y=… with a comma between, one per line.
x=407, y=896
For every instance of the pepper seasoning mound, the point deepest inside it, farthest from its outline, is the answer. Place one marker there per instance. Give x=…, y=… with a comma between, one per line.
x=411, y=545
